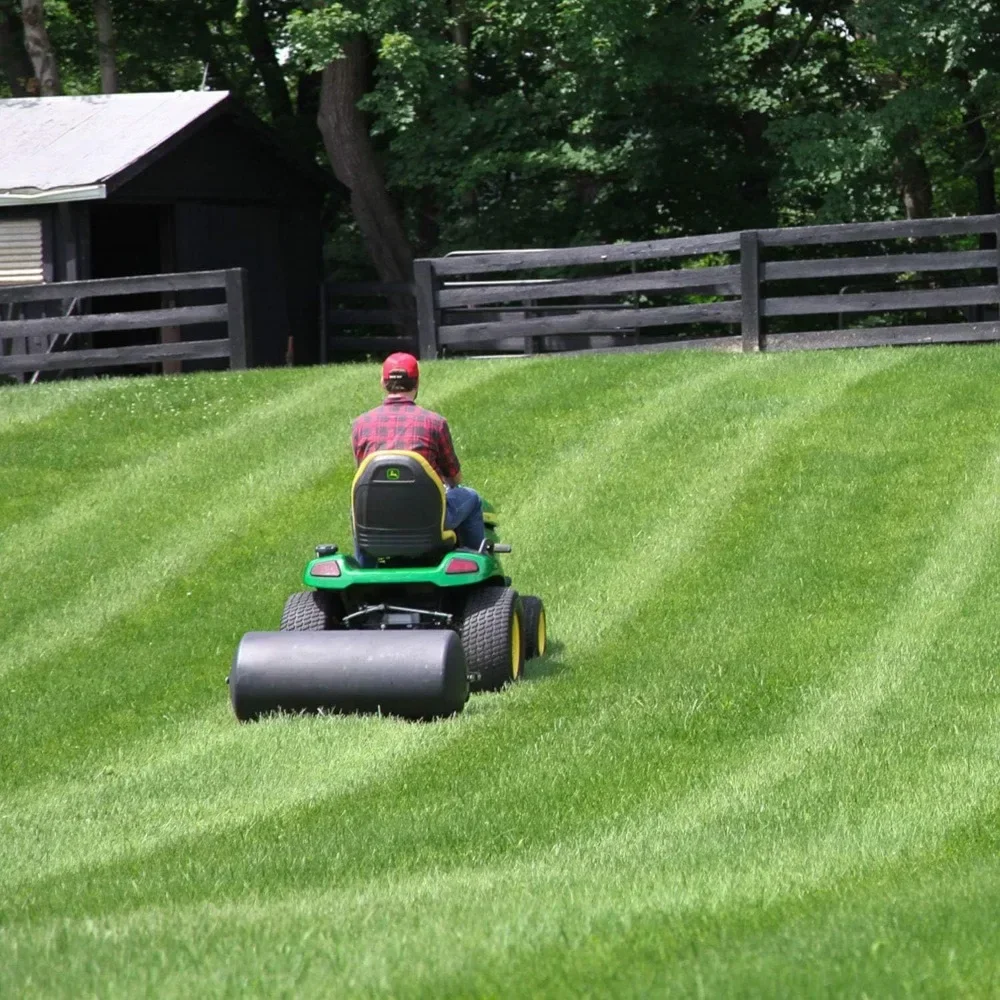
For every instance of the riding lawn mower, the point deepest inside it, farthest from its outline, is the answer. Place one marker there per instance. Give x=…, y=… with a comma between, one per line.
x=407, y=626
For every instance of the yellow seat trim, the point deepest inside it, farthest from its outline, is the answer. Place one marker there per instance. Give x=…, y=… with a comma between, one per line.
x=446, y=534
x=515, y=645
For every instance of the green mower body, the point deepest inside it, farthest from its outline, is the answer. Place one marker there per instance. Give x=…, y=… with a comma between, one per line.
x=454, y=570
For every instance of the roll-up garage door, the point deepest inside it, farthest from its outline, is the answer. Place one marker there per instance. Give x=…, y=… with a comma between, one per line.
x=21, y=260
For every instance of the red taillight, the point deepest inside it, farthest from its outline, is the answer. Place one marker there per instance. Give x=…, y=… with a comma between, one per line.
x=462, y=566
x=331, y=568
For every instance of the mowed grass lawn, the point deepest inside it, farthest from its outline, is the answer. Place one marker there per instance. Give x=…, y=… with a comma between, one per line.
x=761, y=757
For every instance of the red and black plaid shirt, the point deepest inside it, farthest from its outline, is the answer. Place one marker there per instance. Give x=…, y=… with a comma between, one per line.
x=400, y=425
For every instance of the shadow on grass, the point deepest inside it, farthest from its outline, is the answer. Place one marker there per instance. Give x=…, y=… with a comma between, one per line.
x=549, y=665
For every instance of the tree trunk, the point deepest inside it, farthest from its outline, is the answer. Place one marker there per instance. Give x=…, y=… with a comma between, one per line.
x=982, y=164
x=14, y=59
x=106, y=46
x=36, y=41
x=204, y=48
x=913, y=176
x=755, y=172
x=258, y=41
x=352, y=156
x=429, y=224
x=307, y=90
x=461, y=35
x=915, y=186
x=983, y=167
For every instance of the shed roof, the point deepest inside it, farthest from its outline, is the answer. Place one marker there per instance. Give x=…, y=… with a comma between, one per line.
x=75, y=148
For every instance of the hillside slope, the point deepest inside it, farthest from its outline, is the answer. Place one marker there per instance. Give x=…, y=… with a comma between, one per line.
x=762, y=755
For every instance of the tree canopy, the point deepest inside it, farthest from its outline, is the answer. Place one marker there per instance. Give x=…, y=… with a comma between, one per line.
x=503, y=123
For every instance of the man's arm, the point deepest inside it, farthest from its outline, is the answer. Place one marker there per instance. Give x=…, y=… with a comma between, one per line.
x=452, y=471
x=356, y=445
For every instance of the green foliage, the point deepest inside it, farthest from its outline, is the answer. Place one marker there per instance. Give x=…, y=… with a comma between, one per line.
x=316, y=35
x=503, y=123
x=920, y=66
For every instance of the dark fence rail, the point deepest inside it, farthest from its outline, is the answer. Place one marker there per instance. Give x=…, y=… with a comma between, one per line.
x=742, y=301
x=393, y=312
x=32, y=345
x=974, y=297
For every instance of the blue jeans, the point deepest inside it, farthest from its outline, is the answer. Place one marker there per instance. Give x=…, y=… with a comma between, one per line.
x=464, y=515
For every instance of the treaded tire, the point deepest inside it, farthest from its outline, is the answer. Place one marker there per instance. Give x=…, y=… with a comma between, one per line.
x=534, y=627
x=493, y=637
x=306, y=612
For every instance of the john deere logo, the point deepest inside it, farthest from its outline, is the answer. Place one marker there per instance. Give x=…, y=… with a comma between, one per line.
x=392, y=473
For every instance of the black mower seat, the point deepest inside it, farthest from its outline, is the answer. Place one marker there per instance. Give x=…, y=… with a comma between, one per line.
x=398, y=507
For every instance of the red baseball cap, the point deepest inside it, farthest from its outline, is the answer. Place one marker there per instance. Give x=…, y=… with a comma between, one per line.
x=400, y=365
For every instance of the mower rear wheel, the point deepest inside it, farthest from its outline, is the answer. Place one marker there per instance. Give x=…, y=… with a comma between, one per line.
x=534, y=627
x=306, y=612
x=493, y=637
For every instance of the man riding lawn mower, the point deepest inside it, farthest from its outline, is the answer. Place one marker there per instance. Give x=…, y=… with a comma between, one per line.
x=412, y=621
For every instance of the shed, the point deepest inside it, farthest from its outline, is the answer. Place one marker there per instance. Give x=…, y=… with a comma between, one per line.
x=128, y=184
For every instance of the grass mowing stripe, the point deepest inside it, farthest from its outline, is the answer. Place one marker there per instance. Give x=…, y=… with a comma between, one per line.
x=244, y=569
x=194, y=543
x=176, y=466
x=930, y=604
x=615, y=713
x=548, y=829
x=749, y=951
x=132, y=580
x=146, y=495
x=55, y=462
x=58, y=790
x=880, y=924
x=24, y=405
x=136, y=806
x=673, y=514
x=560, y=900
x=739, y=445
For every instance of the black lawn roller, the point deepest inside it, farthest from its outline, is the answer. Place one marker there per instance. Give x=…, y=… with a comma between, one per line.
x=413, y=674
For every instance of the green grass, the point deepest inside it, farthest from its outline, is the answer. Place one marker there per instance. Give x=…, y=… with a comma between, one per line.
x=762, y=757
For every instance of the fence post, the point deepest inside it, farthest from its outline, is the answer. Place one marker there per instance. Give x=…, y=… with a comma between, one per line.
x=529, y=342
x=750, y=289
x=238, y=317
x=424, y=282
x=323, y=332
x=996, y=257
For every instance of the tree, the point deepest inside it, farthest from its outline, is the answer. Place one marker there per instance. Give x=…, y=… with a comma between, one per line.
x=348, y=144
x=460, y=124
x=913, y=135
x=106, y=46
x=36, y=41
x=14, y=61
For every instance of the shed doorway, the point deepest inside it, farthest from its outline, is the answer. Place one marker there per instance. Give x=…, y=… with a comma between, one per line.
x=127, y=240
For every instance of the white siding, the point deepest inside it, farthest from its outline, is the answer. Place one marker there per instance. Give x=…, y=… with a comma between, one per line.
x=21, y=252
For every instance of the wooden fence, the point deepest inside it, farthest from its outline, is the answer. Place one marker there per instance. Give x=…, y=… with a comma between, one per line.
x=392, y=315
x=751, y=297
x=43, y=344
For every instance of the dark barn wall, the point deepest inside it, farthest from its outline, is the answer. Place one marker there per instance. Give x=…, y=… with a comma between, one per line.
x=239, y=203
x=225, y=162
x=218, y=236
x=302, y=239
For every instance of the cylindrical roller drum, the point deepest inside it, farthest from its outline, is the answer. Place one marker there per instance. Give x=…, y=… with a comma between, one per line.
x=414, y=674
